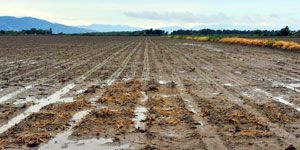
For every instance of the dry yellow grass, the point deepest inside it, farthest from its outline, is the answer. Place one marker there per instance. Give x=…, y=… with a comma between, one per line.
x=262, y=42
x=244, y=41
x=201, y=38
x=247, y=41
x=287, y=45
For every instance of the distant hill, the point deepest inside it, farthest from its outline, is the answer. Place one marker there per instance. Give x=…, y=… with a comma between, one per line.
x=17, y=24
x=242, y=27
x=229, y=27
x=172, y=28
x=117, y=28
x=110, y=28
x=26, y=23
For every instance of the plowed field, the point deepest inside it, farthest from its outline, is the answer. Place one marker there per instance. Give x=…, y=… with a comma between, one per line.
x=72, y=92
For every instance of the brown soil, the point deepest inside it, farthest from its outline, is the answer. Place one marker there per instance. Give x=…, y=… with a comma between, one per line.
x=147, y=93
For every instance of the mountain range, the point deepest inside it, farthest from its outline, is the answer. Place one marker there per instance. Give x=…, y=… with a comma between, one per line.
x=17, y=24
x=110, y=28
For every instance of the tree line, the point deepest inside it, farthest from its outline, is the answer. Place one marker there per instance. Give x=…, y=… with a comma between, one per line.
x=157, y=32
x=283, y=32
x=148, y=32
x=32, y=31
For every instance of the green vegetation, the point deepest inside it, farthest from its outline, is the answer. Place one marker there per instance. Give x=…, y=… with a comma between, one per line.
x=246, y=33
x=297, y=34
x=285, y=31
x=32, y=31
x=213, y=35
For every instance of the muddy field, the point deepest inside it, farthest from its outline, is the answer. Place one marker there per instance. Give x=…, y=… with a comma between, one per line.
x=68, y=92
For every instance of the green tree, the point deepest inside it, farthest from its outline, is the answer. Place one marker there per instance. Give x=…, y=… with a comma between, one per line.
x=33, y=31
x=258, y=32
x=50, y=31
x=285, y=31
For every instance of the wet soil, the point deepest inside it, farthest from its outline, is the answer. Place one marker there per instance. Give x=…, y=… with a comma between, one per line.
x=72, y=92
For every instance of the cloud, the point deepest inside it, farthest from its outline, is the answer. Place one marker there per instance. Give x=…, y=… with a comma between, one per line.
x=179, y=17
x=218, y=18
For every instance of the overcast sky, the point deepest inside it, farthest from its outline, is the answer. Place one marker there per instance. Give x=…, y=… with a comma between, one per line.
x=157, y=13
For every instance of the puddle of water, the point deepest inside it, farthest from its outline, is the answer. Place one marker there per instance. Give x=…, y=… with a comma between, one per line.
x=127, y=79
x=145, y=97
x=278, y=98
x=281, y=100
x=190, y=107
x=140, y=115
x=32, y=62
x=79, y=116
x=238, y=72
x=80, y=91
x=27, y=100
x=295, y=85
x=62, y=141
x=210, y=48
x=216, y=93
x=167, y=95
x=200, y=123
x=36, y=108
x=67, y=100
x=189, y=44
x=90, y=144
x=162, y=82
x=12, y=122
x=94, y=99
x=172, y=134
x=246, y=94
x=13, y=94
x=288, y=86
x=228, y=84
x=110, y=82
x=269, y=95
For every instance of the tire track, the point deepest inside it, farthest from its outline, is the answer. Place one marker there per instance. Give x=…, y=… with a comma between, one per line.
x=284, y=135
x=28, y=61
x=134, y=69
x=146, y=66
x=111, y=79
x=62, y=62
x=56, y=97
x=280, y=71
x=119, y=71
x=222, y=70
x=247, y=81
x=51, y=77
x=209, y=136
